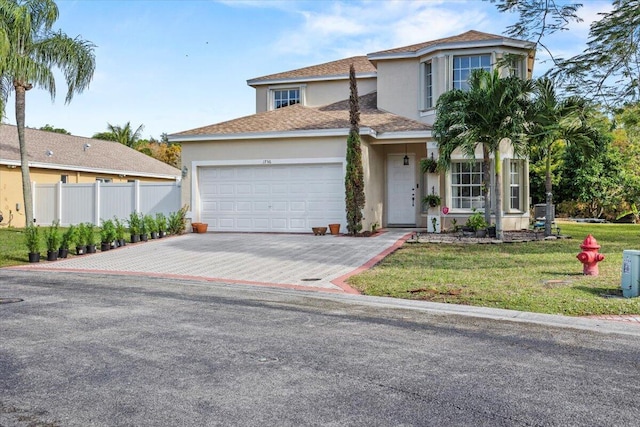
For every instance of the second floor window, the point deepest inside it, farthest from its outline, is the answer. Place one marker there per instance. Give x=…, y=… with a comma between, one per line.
x=463, y=65
x=428, y=86
x=285, y=97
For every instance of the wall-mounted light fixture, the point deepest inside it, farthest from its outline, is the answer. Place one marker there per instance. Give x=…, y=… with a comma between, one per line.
x=185, y=171
x=406, y=157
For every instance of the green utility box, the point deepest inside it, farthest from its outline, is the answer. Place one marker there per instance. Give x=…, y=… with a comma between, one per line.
x=630, y=273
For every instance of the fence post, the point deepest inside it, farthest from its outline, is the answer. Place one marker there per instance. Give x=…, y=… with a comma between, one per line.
x=97, y=203
x=136, y=195
x=58, y=215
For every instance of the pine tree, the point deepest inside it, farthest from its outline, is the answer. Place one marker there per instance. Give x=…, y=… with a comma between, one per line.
x=354, y=178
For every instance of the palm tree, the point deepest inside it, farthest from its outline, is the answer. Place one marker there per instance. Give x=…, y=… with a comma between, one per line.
x=554, y=123
x=33, y=50
x=491, y=112
x=122, y=134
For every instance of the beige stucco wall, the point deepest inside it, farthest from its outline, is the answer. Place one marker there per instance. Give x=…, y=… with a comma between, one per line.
x=11, y=186
x=398, y=87
x=373, y=168
x=316, y=93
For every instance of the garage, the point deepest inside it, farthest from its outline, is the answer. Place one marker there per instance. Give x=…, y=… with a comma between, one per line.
x=271, y=197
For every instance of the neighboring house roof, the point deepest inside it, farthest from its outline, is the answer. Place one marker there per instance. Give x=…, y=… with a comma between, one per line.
x=296, y=119
x=469, y=39
x=52, y=150
x=335, y=70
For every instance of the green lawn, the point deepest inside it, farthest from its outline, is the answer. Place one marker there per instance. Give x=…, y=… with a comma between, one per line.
x=542, y=276
x=12, y=247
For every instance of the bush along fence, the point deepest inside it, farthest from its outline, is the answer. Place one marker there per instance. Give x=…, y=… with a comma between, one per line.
x=73, y=204
x=111, y=234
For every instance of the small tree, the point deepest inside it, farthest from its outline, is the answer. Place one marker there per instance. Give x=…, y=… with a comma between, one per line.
x=354, y=177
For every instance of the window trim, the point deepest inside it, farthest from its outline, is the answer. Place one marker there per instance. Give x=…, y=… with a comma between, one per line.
x=451, y=186
x=508, y=185
x=426, y=101
x=271, y=94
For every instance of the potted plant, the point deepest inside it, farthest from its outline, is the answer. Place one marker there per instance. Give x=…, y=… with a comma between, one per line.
x=120, y=231
x=432, y=200
x=477, y=223
x=52, y=240
x=134, y=227
x=429, y=165
x=161, y=224
x=107, y=235
x=144, y=233
x=90, y=237
x=81, y=243
x=32, y=240
x=151, y=226
x=68, y=237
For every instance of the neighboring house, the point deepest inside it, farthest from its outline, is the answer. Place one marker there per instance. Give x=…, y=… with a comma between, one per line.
x=282, y=169
x=55, y=157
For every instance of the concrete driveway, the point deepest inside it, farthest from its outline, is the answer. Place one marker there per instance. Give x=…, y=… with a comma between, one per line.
x=286, y=260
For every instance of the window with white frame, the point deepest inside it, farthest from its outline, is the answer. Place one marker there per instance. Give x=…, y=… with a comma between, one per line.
x=463, y=65
x=466, y=185
x=285, y=97
x=515, y=178
x=427, y=85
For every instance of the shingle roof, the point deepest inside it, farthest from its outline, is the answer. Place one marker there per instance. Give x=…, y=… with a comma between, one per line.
x=469, y=36
x=68, y=151
x=328, y=69
x=297, y=117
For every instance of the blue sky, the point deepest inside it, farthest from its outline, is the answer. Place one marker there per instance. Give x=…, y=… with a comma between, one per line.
x=176, y=65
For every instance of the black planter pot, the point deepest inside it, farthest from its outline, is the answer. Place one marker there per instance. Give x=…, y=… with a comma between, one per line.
x=162, y=234
x=491, y=231
x=91, y=249
x=81, y=250
x=113, y=245
x=105, y=246
x=135, y=238
x=144, y=237
x=121, y=242
x=34, y=257
x=62, y=253
x=154, y=235
x=52, y=255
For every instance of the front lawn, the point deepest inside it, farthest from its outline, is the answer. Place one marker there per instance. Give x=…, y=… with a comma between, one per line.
x=13, y=250
x=541, y=276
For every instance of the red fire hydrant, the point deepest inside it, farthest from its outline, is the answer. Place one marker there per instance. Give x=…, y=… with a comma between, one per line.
x=590, y=256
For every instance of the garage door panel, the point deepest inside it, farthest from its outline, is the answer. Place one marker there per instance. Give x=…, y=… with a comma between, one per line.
x=283, y=198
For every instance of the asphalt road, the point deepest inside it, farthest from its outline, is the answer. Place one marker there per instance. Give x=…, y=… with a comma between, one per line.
x=96, y=350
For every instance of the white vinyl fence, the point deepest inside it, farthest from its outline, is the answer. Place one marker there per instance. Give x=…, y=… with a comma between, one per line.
x=76, y=203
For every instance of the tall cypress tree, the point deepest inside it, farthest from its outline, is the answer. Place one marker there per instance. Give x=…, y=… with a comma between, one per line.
x=354, y=178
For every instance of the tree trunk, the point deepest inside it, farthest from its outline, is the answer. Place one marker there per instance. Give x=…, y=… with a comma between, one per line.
x=486, y=183
x=498, y=194
x=24, y=158
x=548, y=197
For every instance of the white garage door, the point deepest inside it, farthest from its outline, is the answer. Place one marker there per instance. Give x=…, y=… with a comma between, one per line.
x=272, y=198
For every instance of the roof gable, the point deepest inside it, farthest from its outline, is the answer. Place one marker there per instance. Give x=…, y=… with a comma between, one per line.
x=50, y=149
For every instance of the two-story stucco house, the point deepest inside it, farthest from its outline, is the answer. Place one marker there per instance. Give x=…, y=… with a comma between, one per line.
x=282, y=169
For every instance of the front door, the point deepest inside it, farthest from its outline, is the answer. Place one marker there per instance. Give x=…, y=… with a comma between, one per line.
x=401, y=190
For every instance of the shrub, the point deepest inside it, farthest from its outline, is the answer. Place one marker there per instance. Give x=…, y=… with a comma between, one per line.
x=68, y=237
x=177, y=221
x=32, y=238
x=476, y=221
x=52, y=236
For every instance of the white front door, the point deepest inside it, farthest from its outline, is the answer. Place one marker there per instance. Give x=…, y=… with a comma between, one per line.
x=401, y=190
